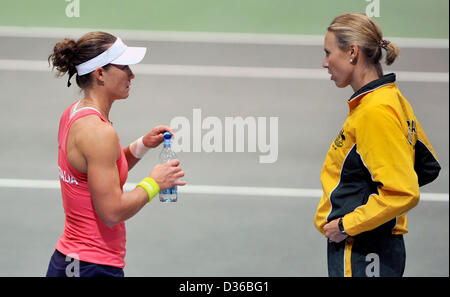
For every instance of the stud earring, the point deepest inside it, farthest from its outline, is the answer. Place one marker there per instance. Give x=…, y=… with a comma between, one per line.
x=351, y=60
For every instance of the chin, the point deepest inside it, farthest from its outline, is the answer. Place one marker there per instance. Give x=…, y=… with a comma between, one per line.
x=341, y=85
x=124, y=96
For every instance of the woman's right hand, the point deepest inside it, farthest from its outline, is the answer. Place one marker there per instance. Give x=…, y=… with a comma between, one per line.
x=168, y=174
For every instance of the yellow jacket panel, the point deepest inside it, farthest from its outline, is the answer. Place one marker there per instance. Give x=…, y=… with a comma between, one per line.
x=374, y=167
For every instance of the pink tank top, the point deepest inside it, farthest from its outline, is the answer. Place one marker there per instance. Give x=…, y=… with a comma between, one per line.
x=85, y=236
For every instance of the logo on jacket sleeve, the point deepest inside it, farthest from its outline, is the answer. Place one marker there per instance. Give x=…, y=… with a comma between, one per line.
x=339, y=140
x=411, y=130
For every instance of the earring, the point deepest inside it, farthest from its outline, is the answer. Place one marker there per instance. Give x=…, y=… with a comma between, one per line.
x=351, y=60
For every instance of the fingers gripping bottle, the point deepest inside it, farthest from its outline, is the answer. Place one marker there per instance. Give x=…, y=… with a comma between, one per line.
x=167, y=154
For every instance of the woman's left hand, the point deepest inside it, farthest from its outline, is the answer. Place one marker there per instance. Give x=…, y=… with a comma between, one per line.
x=332, y=231
x=155, y=137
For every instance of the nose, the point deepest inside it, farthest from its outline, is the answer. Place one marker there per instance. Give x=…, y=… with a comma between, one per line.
x=130, y=74
x=325, y=63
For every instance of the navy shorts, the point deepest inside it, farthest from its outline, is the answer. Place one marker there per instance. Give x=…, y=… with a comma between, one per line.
x=62, y=266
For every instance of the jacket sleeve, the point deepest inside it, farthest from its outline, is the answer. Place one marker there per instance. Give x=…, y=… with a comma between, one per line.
x=320, y=218
x=426, y=164
x=382, y=143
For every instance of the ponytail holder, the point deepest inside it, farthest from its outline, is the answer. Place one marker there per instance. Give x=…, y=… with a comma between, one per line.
x=70, y=76
x=384, y=43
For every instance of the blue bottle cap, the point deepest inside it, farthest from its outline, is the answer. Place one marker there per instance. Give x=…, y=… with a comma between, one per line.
x=167, y=135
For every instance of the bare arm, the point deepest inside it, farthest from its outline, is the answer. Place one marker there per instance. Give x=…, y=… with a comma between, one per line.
x=101, y=151
x=151, y=140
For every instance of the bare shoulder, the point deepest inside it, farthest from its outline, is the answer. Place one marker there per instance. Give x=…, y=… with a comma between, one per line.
x=95, y=138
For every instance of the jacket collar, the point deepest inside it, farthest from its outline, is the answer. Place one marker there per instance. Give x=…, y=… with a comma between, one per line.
x=373, y=85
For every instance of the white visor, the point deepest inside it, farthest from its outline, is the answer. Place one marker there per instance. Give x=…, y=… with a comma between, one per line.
x=119, y=53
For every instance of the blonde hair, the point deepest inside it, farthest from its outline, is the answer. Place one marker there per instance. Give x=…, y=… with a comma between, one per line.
x=359, y=29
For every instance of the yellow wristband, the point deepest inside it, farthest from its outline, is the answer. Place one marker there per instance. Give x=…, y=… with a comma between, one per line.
x=150, y=186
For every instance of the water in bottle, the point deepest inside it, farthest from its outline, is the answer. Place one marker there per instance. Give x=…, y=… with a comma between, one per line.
x=167, y=154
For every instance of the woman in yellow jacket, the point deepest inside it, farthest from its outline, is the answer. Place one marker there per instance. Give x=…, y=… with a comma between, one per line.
x=380, y=157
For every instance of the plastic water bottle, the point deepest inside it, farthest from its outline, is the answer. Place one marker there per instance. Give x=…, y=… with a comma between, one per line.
x=167, y=154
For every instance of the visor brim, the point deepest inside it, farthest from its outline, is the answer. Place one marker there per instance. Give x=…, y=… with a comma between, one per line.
x=132, y=55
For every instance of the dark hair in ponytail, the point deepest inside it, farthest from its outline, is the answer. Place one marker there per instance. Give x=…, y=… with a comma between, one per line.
x=68, y=53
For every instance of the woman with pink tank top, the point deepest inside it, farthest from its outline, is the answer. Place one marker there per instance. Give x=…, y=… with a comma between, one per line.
x=93, y=166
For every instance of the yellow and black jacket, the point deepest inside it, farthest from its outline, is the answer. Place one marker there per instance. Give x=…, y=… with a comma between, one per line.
x=373, y=169
x=372, y=174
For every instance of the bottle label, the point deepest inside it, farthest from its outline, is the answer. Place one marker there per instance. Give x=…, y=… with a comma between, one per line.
x=171, y=191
